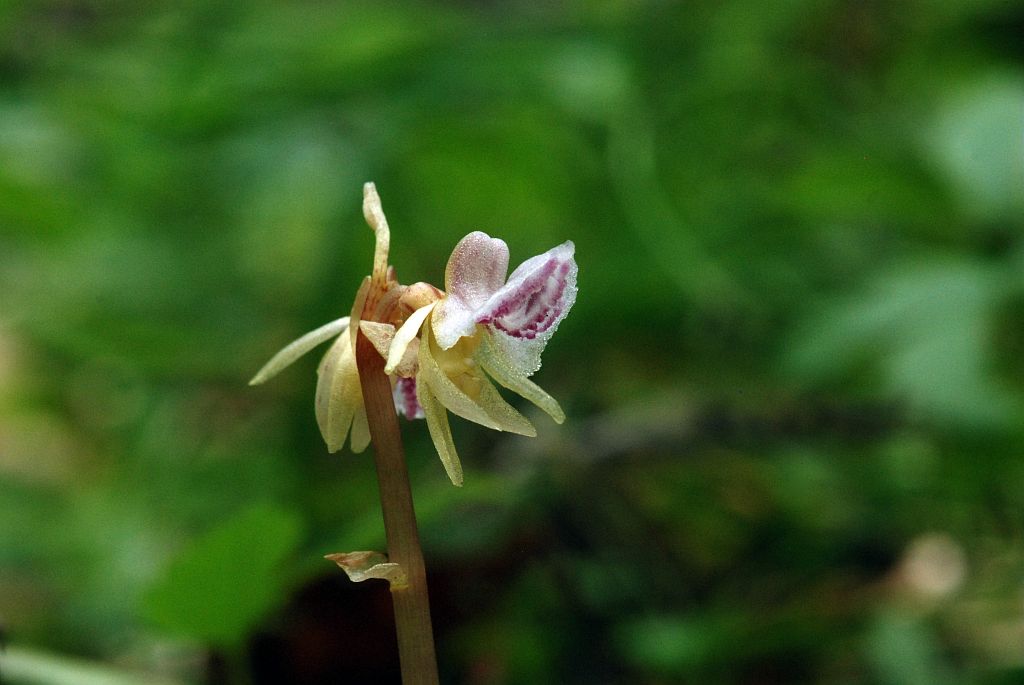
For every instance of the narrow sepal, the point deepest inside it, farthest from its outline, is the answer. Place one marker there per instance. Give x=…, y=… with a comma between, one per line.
x=440, y=432
x=503, y=413
x=295, y=349
x=357, y=312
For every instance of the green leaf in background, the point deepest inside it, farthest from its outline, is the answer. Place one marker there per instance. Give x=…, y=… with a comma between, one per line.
x=924, y=329
x=669, y=644
x=903, y=650
x=978, y=143
x=228, y=578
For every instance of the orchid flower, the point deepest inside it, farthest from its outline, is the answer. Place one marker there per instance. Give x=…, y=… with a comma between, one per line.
x=443, y=349
x=486, y=326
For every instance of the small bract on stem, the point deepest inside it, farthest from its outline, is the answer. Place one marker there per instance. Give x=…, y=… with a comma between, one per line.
x=422, y=352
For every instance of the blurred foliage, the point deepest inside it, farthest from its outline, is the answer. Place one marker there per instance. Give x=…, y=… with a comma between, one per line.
x=793, y=375
x=217, y=589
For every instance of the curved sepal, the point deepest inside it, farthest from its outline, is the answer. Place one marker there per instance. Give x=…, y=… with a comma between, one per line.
x=440, y=432
x=295, y=349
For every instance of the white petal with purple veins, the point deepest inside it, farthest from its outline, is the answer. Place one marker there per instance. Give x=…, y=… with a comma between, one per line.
x=525, y=313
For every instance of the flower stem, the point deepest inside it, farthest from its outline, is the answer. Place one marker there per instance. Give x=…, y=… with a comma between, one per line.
x=411, y=604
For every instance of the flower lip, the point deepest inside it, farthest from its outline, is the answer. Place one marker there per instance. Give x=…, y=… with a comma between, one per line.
x=524, y=314
x=534, y=306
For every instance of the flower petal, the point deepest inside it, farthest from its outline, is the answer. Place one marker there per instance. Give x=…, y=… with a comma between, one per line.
x=338, y=393
x=420, y=294
x=476, y=270
x=449, y=394
x=527, y=310
x=521, y=354
x=360, y=431
x=507, y=375
x=380, y=334
x=405, y=335
x=504, y=414
x=297, y=348
x=440, y=432
x=404, y=394
x=451, y=321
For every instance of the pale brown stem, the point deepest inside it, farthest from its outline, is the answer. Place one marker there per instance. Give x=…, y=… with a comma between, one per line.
x=411, y=604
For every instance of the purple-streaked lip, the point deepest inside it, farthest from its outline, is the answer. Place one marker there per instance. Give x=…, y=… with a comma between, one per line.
x=535, y=305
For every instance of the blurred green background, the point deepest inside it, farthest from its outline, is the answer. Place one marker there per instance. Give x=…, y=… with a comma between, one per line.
x=794, y=373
